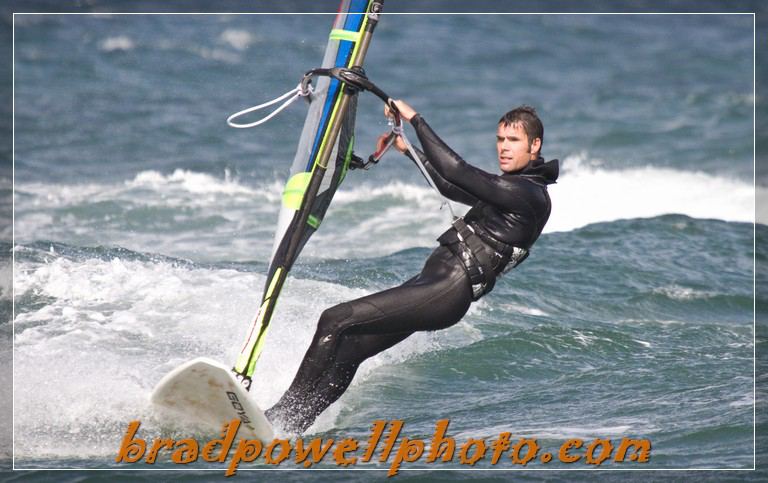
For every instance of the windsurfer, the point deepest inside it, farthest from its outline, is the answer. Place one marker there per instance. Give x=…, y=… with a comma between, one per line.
x=508, y=213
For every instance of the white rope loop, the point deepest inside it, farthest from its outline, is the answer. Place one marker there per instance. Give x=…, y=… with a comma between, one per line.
x=293, y=94
x=305, y=89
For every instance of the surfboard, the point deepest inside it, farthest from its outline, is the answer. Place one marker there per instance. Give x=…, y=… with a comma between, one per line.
x=207, y=395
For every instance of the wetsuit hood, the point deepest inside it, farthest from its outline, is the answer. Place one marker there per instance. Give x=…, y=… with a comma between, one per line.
x=543, y=172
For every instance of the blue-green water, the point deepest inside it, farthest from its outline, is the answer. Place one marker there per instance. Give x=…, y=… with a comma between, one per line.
x=143, y=226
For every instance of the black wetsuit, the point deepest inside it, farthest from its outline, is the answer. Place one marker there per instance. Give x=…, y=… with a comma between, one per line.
x=512, y=208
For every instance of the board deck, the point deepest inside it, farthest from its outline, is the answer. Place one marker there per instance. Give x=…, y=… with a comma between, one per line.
x=207, y=394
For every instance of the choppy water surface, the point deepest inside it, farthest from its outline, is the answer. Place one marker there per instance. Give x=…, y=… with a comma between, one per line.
x=143, y=227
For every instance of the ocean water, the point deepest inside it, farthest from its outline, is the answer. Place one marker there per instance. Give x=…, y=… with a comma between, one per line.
x=143, y=226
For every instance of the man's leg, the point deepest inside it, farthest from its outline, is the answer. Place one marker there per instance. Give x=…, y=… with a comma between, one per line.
x=349, y=333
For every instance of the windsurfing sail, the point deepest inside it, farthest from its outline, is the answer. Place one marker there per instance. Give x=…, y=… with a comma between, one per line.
x=321, y=162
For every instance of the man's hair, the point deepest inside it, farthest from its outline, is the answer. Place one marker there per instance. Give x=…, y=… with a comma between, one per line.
x=527, y=117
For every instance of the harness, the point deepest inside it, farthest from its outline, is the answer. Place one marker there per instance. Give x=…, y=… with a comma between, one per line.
x=483, y=256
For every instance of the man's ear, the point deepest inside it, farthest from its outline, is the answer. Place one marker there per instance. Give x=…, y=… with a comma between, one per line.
x=536, y=146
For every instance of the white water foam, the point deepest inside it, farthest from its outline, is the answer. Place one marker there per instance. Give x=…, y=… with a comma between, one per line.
x=676, y=292
x=588, y=194
x=181, y=187
x=191, y=182
x=98, y=335
x=216, y=54
x=6, y=282
x=154, y=212
x=744, y=400
x=121, y=42
x=363, y=221
x=523, y=309
x=5, y=365
x=622, y=427
x=6, y=428
x=237, y=39
x=225, y=55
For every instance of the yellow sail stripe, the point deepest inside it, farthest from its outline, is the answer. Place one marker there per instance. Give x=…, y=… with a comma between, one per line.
x=349, y=35
x=255, y=329
x=357, y=44
x=274, y=281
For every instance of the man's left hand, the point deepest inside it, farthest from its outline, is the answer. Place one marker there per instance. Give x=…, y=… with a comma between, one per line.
x=406, y=111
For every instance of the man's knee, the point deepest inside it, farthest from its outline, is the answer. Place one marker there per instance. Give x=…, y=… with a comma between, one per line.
x=333, y=321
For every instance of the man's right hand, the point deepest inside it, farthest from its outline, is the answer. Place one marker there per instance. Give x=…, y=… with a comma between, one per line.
x=399, y=143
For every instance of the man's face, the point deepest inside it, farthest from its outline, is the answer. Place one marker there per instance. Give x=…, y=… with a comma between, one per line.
x=512, y=147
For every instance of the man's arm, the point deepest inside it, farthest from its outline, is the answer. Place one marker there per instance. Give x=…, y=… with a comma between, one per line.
x=474, y=181
x=446, y=188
